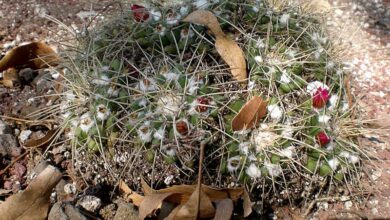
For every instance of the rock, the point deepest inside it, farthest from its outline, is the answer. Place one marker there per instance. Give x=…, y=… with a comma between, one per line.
x=125, y=211
x=27, y=75
x=65, y=211
x=9, y=146
x=5, y=128
x=90, y=203
x=24, y=135
x=70, y=188
x=108, y=211
x=43, y=81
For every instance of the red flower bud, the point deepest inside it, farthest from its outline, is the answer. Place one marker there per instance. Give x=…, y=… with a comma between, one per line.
x=322, y=138
x=320, y=98
x=182, y=128
x=140, y=13
x=203, y=103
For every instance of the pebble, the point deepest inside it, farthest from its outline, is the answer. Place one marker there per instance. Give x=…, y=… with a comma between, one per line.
x=90, y=203
x=4, y=128
x=9, y=145
x=65, y=211
x=24, y=135
x=348, y=205
x=70, y=188
x=376, y=174
x=125, y=211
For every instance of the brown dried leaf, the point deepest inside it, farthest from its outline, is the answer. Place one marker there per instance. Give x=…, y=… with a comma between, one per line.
x=224, y=209
x=34, y=202
x=50, y=135
x=35, y=55
x=247, y=204
x=233, y=55
x=151, y=203
x=11, y=78
x=207, y=19
x=134, y=197
x=250, y=114
x=198, y=203
x=229, y=50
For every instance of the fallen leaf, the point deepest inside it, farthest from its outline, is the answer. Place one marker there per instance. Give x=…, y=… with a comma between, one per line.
x=206, y=18
x=233, y=55
x=35, y=55
x=192, y=201
x=224, y=209
x=151, y=203
x=199, y=203
x=34, y=201
x=134, y=197
x=33, y=143
x=250, y=114
x=247, y=204
x=172, y=215
x=10, y=78
x=229, y=50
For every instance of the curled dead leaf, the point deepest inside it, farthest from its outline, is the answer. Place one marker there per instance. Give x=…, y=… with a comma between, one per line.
x=250, y=114
x=229, y=50
x=49, y=137
x=247, y=204
x=206, y=18
x=34, y=202
x=151, y=203
x=198, y=204
x=233, y=55
x=35, y=55
x=131, y=196
x=10, y=78
x=224, y=209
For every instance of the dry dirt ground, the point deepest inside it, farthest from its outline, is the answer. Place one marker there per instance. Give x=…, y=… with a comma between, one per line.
x=363, y=26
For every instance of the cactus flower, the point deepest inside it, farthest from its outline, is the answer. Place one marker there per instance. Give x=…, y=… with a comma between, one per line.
x=140, y=13
x=322, y=138
x=320, y=98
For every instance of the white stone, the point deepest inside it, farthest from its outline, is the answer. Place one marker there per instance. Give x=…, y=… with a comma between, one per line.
x=90, y=203
x=24, y=135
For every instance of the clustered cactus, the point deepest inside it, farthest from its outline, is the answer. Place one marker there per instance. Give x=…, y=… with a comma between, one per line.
x=157, y=86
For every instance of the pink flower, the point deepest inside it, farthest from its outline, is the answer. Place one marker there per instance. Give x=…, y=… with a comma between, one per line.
x=140, y=13
x=322, y=138
x=320, y=97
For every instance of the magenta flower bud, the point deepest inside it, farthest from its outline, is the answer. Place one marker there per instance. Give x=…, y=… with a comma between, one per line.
x=320, y=98
x=140, y=13
x=322, y=138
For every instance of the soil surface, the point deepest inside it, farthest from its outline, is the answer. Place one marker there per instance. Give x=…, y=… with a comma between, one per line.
x=363, y=28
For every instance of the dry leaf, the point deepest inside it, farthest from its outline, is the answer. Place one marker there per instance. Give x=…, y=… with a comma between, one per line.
x=233, y=55
x=206, y=18
x=224, y=209
x=34, y=201
x=250, y=114
x=134, y=197
x=229, y=50
x=41, y=141
x=199, y=203
x=192, y=201
x=35, y=55
x=173, y=214
x=151, y=203
x=11, y=78
x=247, y=204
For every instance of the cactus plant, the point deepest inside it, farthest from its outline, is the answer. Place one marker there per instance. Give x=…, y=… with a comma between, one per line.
x=159, y=85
